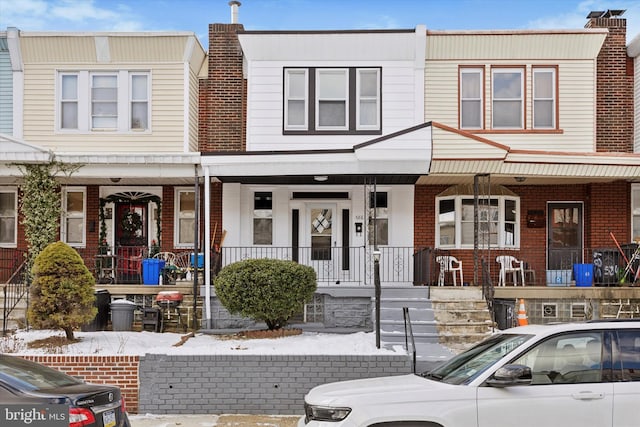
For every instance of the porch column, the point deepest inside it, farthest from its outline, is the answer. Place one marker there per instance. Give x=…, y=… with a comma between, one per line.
x=207, y=248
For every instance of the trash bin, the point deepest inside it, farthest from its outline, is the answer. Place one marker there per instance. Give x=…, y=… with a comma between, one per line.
x=605, y=266
x=504, y=313
x=101, y=320
x=122, y=315
x=151, y=269
x=583, y=274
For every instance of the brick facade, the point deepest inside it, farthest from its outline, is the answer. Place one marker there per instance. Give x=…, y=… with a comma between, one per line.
x=614, y=127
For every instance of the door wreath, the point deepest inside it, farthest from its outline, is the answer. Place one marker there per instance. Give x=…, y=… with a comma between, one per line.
x=131, y=223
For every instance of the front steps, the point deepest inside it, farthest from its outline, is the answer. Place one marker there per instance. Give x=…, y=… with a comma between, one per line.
x=444, y=320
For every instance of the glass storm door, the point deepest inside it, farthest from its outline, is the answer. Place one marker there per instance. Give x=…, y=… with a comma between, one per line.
x=323, y=257
x=564, y=234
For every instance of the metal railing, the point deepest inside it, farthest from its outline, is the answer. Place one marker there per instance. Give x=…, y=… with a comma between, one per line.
x=408, y=337
x=13, y=292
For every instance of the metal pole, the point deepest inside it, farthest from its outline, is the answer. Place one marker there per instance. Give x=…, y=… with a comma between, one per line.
x=376, y=280
x=196, y=244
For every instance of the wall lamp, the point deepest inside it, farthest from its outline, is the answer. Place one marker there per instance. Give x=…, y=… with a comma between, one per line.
x=520, y=179
x=114, y=180
x=320, y=178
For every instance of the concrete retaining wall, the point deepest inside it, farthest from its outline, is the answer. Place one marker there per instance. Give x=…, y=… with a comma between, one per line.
x=249, y=384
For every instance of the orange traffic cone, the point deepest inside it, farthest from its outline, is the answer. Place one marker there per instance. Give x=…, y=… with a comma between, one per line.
x=522, y=314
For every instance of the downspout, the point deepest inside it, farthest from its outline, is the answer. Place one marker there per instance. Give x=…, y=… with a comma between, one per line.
x=207, y=248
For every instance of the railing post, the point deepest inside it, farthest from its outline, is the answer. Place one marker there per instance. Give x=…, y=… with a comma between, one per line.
x=378, y=291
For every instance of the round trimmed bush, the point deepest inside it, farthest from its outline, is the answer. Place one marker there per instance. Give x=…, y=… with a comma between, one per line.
x=268, y=290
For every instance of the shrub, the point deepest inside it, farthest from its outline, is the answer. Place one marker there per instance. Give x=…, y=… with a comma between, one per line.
x=267, y=290
x=62, y=294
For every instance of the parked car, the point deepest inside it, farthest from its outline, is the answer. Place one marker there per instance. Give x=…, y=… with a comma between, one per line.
x=569, y=375
x=25, y=385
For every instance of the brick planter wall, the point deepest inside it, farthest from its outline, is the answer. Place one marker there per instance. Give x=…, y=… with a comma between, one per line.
x=121, y=371
x=249, y=384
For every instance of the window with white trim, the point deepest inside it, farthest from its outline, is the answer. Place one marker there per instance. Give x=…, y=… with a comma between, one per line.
x=507, y=98
x=379, y=218
x=332, y=100
x=103, y=101
x=74, y=206
x=8, y=217
x=262, y=218
x=544, y=98
x=185, y=217
x=471, y=100
x=635, y=212
x=498, y=224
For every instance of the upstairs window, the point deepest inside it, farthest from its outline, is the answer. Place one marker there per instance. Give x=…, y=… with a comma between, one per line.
x=544, y=98
x=508, y=102
x=74, y=212
x=471, y=100
x=332, y=100
x=8, y=217
x=103, y=101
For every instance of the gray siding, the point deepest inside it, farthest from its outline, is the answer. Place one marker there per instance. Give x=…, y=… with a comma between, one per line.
x=6, y=90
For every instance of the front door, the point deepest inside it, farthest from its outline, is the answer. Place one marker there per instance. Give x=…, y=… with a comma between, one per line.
x=131, y=240
x=322, y=254
x=564, y=235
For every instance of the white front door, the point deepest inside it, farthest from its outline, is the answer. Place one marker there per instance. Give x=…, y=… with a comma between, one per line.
x=322, y=254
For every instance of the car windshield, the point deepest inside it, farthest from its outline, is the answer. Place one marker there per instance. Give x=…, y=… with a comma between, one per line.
x=465, y=366
x=30, y=376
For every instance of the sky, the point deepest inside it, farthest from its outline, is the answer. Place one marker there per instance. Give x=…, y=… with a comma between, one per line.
x=195, y=15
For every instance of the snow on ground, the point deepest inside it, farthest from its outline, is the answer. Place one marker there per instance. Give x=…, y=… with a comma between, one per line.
x=140, y=343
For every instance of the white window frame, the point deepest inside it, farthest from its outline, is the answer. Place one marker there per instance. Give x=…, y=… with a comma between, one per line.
x=177, y=217
x=345, y=97
x=464, y=100
x=288, y=97
x=62, y=101
x=635, y=211
x=268, y=214
x=553, y=99
x=146, y=100
x=84, y=100
x=14, y=242
x=74, y=215
x=380, y=215
x=502, y=234
x=368, y=99
x=495, y=99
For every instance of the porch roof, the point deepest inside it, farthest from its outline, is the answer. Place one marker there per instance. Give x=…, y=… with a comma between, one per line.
x=399, y=158
x=16, y=150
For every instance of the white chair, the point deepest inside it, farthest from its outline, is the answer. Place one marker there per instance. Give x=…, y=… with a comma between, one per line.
x=449, y=264
x=509, y=264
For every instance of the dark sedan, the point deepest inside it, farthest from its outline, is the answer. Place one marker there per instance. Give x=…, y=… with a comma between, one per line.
x=34, y=394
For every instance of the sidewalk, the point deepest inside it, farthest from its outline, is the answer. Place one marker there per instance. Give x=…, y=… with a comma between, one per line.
x=230, y=420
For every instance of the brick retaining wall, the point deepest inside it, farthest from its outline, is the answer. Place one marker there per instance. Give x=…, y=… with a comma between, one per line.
x=249, y=384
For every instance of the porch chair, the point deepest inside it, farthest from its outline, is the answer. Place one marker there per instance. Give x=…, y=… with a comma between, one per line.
x=509, y=264
x=169, y=258
x=449, y=264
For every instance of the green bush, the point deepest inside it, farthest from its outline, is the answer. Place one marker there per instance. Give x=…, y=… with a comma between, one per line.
x=62, y=292
x=267, y=290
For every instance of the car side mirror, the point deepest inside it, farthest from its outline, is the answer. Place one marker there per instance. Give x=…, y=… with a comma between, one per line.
x=510, y=375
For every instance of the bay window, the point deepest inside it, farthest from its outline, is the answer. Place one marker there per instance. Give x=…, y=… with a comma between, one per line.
x=497, y=221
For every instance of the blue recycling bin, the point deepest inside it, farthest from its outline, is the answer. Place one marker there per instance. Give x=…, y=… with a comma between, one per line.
x=151, y=270
x=583, y=274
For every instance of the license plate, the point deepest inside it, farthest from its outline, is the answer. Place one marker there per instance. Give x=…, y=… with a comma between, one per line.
x=109, y=419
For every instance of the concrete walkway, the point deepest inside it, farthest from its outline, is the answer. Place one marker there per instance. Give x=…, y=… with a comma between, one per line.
x=230, y=420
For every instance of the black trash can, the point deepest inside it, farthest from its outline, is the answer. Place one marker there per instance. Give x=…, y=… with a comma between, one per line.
x=101, y=321
x=422, y=267
x=504, y=313
x=605, y=266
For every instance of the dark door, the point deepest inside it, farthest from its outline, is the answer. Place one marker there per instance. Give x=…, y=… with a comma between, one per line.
x=564, y=234
x=131, y=240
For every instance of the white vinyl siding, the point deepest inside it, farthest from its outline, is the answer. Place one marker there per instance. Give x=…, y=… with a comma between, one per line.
x=74, y=206
x=8, y=217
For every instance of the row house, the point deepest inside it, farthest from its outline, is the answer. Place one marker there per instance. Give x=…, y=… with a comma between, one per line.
x=122, y=109
x=331, y=147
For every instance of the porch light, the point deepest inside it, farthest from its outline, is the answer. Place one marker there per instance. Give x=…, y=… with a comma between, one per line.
x=520, y=178
x=114, y=180
x=376, y=255
x=320, y=178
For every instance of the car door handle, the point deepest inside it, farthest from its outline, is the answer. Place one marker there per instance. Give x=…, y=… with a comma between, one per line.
x=587, y=395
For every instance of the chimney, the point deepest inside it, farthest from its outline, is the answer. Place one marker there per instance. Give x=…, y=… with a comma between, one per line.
x=614, y=79
x=234, y=10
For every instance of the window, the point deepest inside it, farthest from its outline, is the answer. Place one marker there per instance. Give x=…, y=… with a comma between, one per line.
x=262, y=218
x=544, y=98
x=471, y=102
x=332, y=100
x=74, y=212
x=185, y=217
x=635, y=211
x=69, y=102
x=103, y=101
x=8, y=217
x=497, y=221
x=629, y=345
x=378, y=218
x=507, y=111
